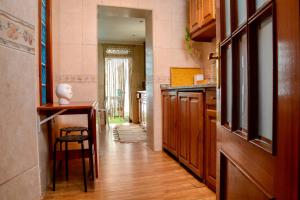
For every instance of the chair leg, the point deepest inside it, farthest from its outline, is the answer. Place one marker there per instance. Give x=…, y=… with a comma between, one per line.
x=83, y=167
x=91, y=159
x=54, y=166
x=60, y=148
x=67, y=164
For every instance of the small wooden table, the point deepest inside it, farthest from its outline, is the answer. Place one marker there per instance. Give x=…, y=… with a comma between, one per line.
x=71, y=109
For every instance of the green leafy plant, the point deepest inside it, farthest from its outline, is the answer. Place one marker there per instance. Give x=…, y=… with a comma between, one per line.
x=188, y=40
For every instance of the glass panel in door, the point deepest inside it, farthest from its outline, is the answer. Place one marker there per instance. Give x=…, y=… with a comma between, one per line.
x=265, y=78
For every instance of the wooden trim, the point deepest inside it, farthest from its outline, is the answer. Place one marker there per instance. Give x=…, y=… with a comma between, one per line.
x=264, y=12
x=263, y=143
x=234, y=11
x=49, y=54
x=275, y=80
x=258, y=17
x=226, y=42
x=288, y=102
x=224, y=82
x=49, y=84
x=252, y=7
x=241, y=133
x=40, y=49
x=189, y=94
x=223, y=20
x=236, y=79
x=223, y=157
x=239, y=30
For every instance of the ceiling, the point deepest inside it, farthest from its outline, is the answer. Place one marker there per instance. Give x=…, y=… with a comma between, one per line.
x=120, y=29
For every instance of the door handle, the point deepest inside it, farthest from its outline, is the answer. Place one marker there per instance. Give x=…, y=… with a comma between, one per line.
x=216, y=56
x=213, y=56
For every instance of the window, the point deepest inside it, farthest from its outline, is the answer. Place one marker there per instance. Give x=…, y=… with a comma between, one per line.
x=45, y=70
x=248, y=80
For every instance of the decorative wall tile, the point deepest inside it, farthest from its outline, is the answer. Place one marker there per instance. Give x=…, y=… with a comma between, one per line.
x=76, y=78
x=16, y=33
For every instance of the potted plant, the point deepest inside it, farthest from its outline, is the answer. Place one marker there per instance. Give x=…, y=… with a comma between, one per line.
x=188, y=40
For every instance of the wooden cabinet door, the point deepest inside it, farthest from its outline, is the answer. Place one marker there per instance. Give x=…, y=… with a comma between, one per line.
x=184, y=128
x=208, y=11
x=195, y=15
x=173, y=132
x=210, y=148
x=165, y=117
x=191, y=131
x=195, y=118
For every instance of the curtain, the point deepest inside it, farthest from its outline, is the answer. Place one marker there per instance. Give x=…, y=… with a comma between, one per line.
x=115, y=51
x=117, y=86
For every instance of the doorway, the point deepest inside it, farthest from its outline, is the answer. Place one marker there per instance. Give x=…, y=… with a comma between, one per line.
x=122, y=87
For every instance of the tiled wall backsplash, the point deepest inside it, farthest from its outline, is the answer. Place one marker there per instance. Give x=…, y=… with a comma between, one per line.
x=76, y=78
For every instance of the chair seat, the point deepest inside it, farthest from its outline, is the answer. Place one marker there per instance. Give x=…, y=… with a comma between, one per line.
x=72, y=138
x=73, y=129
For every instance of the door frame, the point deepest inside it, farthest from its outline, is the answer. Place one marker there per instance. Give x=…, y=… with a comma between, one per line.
x=288, y=110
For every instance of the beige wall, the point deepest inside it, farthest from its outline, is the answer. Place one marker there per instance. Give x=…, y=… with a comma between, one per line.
x=77, y=46
x=19, y=163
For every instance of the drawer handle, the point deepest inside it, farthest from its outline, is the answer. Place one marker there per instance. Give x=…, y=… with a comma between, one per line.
x=213, y=98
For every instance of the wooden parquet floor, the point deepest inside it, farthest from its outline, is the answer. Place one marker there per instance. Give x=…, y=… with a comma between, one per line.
x=130, y=172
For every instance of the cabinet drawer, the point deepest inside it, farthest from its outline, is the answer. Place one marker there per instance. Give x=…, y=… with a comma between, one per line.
x=211, y=98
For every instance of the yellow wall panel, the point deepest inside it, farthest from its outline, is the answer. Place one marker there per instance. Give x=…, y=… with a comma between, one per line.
x=181, y=76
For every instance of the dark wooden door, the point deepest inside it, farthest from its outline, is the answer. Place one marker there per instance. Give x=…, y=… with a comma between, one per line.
x=210, y=148
x=184, y=128
x=173, y=132
x=257, y=63
x=196, y=115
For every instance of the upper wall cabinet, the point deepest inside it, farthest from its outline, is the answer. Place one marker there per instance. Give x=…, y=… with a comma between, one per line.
x=202, y=20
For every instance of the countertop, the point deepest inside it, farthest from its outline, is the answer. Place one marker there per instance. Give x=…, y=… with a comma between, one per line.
x=71, y=106
x=142, y=91
x=188, y=88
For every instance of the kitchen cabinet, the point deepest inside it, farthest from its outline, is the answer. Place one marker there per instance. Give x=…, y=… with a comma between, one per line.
x=202, y=19
x=142, y=98
x=170, y=133
x=189, y=129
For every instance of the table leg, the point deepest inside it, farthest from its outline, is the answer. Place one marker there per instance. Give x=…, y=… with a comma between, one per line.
x=92, y=131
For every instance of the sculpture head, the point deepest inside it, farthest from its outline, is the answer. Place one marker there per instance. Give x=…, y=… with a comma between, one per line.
x=64, y=93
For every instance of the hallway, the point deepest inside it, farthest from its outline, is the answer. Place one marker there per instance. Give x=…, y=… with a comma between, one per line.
x=131, y=172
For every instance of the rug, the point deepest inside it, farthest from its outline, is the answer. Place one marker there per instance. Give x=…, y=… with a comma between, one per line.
x=130, y=133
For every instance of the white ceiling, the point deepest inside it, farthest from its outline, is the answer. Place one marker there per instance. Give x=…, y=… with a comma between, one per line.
x=120, y=29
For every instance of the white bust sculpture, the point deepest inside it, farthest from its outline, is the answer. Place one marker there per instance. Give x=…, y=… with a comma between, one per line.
x=64, y=93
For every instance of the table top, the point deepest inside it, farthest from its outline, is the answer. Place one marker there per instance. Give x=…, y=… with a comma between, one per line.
x=71, y=106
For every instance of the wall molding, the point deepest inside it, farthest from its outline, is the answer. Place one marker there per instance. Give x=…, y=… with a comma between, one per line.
x=16, y=33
